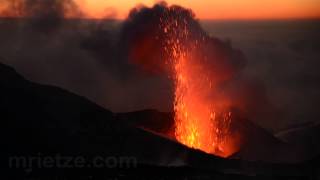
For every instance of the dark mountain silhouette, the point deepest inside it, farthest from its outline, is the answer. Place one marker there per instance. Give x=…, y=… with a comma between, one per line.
x=150, y=119
x=43, y=121
x=256, y=144
x=43, y=118
x=304, y=136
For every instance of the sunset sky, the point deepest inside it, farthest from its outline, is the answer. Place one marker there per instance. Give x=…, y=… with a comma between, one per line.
x=205, y=9
x=214, y=9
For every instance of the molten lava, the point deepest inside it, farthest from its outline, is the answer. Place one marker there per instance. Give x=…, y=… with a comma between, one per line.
x=200, y=122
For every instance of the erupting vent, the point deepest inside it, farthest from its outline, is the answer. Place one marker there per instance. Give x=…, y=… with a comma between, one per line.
x=200, y=122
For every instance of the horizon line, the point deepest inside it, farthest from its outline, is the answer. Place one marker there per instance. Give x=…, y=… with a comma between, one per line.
x=200, y=19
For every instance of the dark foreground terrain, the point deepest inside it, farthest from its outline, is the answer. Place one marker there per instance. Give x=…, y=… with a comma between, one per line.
x=50, y=133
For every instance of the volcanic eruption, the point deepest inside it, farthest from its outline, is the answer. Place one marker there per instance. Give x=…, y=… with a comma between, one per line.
x=168, y=39
x=198, y=121
x=154, y=90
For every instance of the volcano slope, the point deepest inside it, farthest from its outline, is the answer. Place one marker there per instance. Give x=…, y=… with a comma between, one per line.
x=255, y=143
x=40, y=122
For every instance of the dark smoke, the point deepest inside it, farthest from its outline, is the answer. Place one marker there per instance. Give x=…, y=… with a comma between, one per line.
x=144, y=43
x=44, y=15
x=102, y=60
x=144, y=39
x=40, y=8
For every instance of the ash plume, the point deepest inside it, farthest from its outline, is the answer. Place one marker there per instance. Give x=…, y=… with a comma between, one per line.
x=45, y=15
x=39, y=8
x=144, y=42
x=102, y=59
x=144, y=39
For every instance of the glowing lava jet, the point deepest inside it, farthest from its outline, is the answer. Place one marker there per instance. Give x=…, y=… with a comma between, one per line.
x=200, y=122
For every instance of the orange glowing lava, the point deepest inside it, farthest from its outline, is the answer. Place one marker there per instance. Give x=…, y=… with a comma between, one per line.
x=197, y=123
x=200, y=122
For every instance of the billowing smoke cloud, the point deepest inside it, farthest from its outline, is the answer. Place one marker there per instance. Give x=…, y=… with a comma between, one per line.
x=40, y=8
x=102, y=59
x=143, y=39
x=45, y=15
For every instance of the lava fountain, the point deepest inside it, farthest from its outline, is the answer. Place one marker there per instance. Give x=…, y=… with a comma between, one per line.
x=200, y=122
x=168, y=39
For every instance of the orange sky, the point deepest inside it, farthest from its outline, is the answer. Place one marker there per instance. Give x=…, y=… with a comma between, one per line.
x=214, y=9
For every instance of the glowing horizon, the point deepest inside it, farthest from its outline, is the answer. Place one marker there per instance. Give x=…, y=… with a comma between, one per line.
x=206, y=9
x=213, y=9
